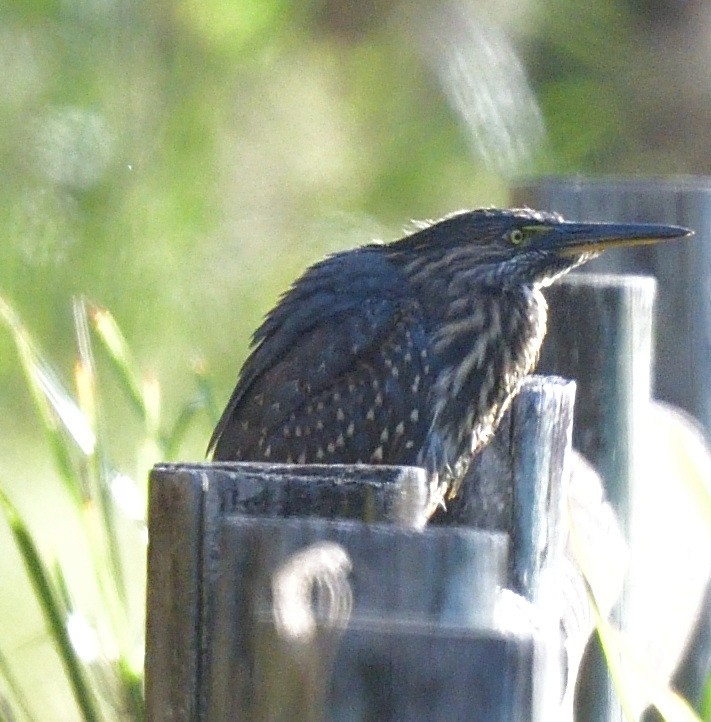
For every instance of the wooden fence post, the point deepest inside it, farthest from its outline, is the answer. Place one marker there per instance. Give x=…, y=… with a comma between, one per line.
x=270, y=598
x=517, y=484
x=187, y=505
x=600, y=333
x=682, y=368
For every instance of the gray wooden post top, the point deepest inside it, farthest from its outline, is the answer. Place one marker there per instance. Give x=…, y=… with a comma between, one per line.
x=391, y=494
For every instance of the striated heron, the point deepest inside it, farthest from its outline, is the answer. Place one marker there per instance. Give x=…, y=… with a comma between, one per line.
x=409, y=352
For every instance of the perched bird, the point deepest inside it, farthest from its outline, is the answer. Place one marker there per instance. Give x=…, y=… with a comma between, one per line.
x=408, y=352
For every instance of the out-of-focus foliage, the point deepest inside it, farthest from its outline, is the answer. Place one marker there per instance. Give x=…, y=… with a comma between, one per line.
x=179, y=161
x=99, y=644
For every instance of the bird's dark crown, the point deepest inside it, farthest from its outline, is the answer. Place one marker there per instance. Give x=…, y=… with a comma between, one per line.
x=498, y=246
x=482, y=227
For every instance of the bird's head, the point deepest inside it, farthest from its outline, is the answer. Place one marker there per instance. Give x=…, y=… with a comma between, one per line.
x=516, y=246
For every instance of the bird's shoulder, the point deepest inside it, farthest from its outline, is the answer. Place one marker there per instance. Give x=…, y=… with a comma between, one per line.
x=337, y=313
x=353, y=293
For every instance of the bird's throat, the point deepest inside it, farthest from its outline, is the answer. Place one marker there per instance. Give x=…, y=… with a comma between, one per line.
x=483, y=353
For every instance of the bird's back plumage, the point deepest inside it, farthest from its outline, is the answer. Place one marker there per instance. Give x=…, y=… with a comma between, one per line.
x=336, y=369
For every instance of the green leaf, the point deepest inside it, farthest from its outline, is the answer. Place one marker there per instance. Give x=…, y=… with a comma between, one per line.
x=53, y=610
x=124, y=364
x=60, y=416
x=6, y=709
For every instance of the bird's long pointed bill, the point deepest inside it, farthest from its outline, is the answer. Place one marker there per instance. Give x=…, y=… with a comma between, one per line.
x=575, y=238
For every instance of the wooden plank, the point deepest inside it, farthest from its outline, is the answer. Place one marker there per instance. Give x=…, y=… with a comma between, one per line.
x=517, y=483
x=542, y=423
x=412, y=675
x=173, y=597
x=187, y=505
x=398, y=673
x=296, y=600
x=390, y=494
x=600, y=334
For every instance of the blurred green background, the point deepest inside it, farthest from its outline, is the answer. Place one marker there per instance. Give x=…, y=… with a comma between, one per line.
x=179, y=162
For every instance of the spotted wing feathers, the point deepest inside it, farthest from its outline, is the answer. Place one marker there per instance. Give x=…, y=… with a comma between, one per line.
x=335, y=372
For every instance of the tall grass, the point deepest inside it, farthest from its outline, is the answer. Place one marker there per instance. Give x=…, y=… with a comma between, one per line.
x=101, y=652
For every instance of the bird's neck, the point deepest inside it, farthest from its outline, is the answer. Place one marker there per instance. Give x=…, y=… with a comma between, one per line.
x=484, y=344
x=484, y=317
x=491, y=325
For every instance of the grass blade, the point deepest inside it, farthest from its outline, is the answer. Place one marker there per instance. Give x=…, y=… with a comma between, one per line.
x=53, y=609
x=133, y=689
x=121, y=358
x=108, y=484
x=129, y=678
x=142, y=391
x=627, y=670
x=18, y=695
x=636, y=684
x=44, y=381
x=59, y=414
x=98, y=472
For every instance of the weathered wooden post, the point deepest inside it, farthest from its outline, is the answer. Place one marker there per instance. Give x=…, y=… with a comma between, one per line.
x=188, y=506
x=271, y=598
x=600, y=333
x=518, y=483
x=682, y=372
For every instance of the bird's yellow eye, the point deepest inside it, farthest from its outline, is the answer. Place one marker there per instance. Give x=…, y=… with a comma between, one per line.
x=517, y=236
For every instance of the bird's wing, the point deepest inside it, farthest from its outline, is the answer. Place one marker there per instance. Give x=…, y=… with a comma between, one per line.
x=314, y=364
